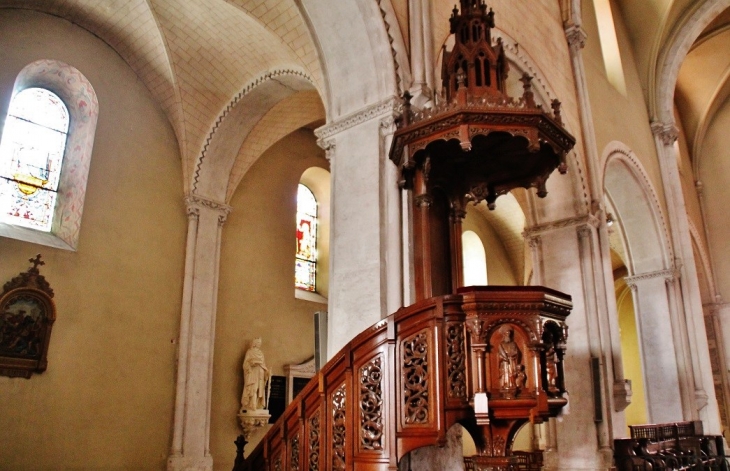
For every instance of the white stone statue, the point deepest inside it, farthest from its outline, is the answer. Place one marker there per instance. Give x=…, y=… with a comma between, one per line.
x=256, y=377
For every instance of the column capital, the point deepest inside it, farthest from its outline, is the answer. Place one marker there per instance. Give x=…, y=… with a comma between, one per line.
x=388, y=106
x=194, y=203
x=329, y=146
x=668, y=275
x=576, y=36
x=667, y=132
x=574, y=222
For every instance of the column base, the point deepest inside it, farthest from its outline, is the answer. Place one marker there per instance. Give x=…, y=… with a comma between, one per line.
x=185, y=463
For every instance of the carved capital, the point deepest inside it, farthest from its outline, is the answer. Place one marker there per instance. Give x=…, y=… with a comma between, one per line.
x=669, y=276
x=576, y=36
x=423, y=201
x=667, y=132
x=390, y=106
x=193, y=212
x=584, y=231
x=475, y=327
x=534, y=242
x=538, y=229
x=194, y=203
x=622, y=394
x=329, y=146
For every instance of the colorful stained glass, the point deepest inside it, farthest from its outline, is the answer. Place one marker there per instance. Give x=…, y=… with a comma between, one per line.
x=305, y=271
x=31, y=155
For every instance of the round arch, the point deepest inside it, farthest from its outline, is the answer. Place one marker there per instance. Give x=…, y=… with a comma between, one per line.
x=213, y=168
x=631, y=194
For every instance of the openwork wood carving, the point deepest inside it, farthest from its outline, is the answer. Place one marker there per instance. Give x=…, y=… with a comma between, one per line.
x=313, y=451
x=457, y=355
x=371, y=404
x=27, y=313
x=277, y=464
x=294, y=458
x=415, y=378
x=338, y=429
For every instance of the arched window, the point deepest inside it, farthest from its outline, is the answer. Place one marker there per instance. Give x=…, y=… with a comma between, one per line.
x=305, y=272
x=45, y=153
x=475, y=259
x=31, y=154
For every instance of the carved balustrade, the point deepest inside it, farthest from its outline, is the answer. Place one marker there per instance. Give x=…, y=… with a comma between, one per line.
x=402, y=383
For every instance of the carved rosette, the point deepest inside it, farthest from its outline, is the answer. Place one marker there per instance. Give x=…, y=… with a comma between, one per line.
x=294, y=457
x=371, y=404
x=338, y=429
x=457, y=357
x=313, y=451
x=415, y=376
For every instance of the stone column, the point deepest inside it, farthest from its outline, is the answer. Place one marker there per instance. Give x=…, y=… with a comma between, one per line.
x=668, y=388
x=687, y=285
x=605, y=298
x=580, y=438
x=365, y=241
x=421, y=51
x=191, y=429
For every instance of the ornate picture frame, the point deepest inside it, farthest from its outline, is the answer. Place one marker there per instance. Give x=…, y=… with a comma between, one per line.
x=27, y=314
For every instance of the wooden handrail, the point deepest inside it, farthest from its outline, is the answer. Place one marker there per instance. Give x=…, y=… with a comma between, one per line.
x=402, y=383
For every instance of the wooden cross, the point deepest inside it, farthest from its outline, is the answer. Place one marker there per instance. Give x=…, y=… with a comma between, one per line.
x=36, y=261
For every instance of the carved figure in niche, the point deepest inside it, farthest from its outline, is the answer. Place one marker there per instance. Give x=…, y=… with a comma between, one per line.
x=255, y=379
x=551, y=364
x=510, y=359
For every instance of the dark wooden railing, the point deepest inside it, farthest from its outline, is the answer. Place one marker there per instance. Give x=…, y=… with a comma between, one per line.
x=402, y=383
x=674, y=446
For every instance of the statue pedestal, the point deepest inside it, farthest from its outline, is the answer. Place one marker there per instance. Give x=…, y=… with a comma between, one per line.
x=252, y=420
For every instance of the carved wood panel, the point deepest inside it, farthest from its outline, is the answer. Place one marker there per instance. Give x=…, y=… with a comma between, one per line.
x=416, y=378
x=371, y=405
x=339, y=429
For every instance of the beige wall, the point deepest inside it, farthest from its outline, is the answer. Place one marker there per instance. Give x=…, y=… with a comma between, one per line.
x=631, y=355
x=617, y=117
x=106, y=400
x=714, y=169
x=256, y=291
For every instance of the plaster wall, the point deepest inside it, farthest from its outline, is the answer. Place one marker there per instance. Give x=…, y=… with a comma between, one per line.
x=618, y=117
x=106, y=400
x=256, y=286
x=714, y=168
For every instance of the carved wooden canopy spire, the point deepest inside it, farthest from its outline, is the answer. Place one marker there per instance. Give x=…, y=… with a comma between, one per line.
x=475, y=145
x=474, y=64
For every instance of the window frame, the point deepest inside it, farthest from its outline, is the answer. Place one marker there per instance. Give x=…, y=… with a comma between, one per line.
x=80, y=99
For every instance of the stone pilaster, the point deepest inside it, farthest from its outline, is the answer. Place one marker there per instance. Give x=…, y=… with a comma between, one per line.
x=579, y=441
x=686, y=288
x=191, y=428
x=366, y=237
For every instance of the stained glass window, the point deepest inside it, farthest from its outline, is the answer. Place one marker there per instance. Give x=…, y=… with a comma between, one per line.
x=305, y=271
x=31, y=155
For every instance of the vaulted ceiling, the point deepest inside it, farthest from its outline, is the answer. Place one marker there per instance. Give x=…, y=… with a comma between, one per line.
x=196, y=56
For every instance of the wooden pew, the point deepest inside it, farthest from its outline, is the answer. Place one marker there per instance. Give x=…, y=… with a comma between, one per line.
x=675, y=446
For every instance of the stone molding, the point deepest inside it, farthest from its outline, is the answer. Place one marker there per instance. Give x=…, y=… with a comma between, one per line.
x=619, y=150
x=577, y=222
x=271, y=75
x=669, y=275
x=576, y=36
x=667, y=132
x=392, y=105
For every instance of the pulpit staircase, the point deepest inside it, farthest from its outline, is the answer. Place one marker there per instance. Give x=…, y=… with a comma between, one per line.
x=402, y=383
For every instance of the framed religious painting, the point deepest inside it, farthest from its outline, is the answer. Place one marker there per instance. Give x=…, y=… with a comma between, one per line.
x=27, y=313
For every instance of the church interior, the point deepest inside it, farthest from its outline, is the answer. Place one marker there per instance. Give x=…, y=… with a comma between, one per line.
x=228, y=169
